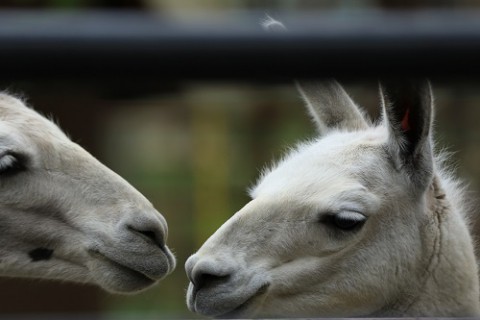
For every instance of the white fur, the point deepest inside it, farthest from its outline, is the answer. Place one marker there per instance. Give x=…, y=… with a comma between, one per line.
x=270, y=24
x=277, y=257
x=64, y=200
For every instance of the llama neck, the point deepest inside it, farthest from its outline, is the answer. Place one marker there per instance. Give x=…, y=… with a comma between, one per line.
x=447, y=284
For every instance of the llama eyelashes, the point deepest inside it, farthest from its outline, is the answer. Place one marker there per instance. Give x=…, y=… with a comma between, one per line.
x=345, y=220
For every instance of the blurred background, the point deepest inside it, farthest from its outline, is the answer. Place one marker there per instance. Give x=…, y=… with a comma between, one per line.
x=194, y=148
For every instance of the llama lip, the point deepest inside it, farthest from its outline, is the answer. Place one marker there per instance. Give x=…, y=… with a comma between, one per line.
x=239, y=311
x=132, y=273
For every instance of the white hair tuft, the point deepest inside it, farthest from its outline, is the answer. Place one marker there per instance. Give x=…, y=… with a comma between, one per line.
x=271, y=24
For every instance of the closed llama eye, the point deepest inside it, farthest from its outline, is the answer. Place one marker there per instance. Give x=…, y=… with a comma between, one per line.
x=345, y=220
x=11, y=163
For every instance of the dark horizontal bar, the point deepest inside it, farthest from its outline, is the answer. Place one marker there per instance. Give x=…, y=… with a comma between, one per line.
x=232, y=46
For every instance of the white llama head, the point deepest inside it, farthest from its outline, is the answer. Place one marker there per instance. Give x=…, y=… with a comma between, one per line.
x=64, y=215
x=360, y=222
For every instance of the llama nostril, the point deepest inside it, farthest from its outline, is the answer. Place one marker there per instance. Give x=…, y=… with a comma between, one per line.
x=205, y=280
x=154, y=236
x=149, y=234
x=208, y=276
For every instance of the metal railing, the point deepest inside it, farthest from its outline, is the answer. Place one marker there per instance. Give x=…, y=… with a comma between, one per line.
x=365, y=44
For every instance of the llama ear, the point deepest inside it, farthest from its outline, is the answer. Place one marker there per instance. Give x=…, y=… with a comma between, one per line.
x=407, y=113
x=331, y=107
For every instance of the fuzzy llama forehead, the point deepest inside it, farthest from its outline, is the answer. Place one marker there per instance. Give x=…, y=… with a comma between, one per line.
x=18, y=115
x=319, y=164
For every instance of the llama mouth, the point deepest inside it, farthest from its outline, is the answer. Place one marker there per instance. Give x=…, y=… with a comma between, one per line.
x=130, y=271
x=129, y=274
x=239, y=312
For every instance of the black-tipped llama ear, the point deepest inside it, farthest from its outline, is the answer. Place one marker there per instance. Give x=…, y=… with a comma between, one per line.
x=408, y=112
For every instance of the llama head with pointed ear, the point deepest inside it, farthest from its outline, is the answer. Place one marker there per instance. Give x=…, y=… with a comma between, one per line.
x=355, y=223
x=407, y=110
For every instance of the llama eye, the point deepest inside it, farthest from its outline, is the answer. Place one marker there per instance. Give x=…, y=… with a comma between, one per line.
x=345, y=220
x=11, y=164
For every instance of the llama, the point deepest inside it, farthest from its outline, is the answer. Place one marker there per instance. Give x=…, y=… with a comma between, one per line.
x=363, y=221
x=66, y=216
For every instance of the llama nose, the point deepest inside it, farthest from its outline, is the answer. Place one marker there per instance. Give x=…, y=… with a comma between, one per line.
x=150, y=230
x=206, y=273
x=152, y=235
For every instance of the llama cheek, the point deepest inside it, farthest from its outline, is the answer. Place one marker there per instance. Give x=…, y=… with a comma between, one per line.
x=40, y=254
